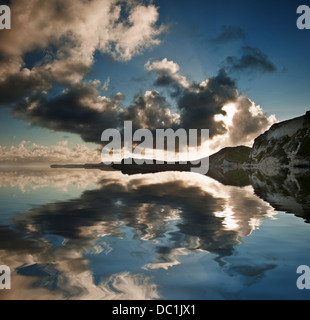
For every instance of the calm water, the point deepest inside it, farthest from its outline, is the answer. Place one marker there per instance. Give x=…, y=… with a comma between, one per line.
x=90, y=234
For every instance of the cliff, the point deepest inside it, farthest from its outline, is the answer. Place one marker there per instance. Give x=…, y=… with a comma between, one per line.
x=285, y=144
x=231, y=157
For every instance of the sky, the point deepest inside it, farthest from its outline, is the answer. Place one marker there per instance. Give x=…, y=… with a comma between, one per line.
x=71, y=69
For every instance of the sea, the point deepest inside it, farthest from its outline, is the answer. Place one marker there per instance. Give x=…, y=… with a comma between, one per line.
x=84, y=234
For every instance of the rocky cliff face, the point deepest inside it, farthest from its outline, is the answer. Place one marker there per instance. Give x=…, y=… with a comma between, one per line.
x=288, y=192
x=284, y=144
x=230, y=157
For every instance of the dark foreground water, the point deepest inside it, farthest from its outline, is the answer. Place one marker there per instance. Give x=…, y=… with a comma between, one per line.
x=91, y=234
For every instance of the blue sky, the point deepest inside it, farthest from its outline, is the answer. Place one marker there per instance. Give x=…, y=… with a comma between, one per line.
x=201, y=37
x=268, y=25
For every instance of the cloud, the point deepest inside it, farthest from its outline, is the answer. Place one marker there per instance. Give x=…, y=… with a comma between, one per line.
x=213, y=104
x=63, y=143
x=167, y=74
x=150, y=111
x=28, y=152
x=68, y=34
x=196, y=218
x=79, y=110
x=197, y=103
x=39, y=177
x=106, y=84
x=78, y=28
x=198, y=204
x=203, y=101
x=248, y=121
x=252, y=60
x=64, y=37
x=228, y=34
x=137, y=34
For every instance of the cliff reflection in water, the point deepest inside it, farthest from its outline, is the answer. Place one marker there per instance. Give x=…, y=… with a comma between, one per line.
x=108, y=242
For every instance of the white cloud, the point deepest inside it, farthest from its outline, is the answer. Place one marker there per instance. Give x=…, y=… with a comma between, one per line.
x=139, y=35
x=167, y=70
x=75, y=29
x=79, y=27
x=28, y=152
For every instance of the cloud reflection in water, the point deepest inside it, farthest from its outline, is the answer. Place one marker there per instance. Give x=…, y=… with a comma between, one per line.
x=156, y=219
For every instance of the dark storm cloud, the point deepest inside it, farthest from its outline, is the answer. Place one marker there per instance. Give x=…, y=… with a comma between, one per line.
x=201, y=103
x=252, y=60
x=80, y=108
x=19, y=81
x=15, y=85
x=77, y=110
x=121, y=33
x=229, y=33
x=197, y=103
x=83, y=111
x=150, y=111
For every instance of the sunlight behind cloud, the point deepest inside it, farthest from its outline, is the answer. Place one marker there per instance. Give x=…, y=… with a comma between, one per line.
x=230, y=110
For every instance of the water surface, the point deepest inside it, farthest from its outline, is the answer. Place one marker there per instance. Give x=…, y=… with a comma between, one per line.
x=91, y=234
